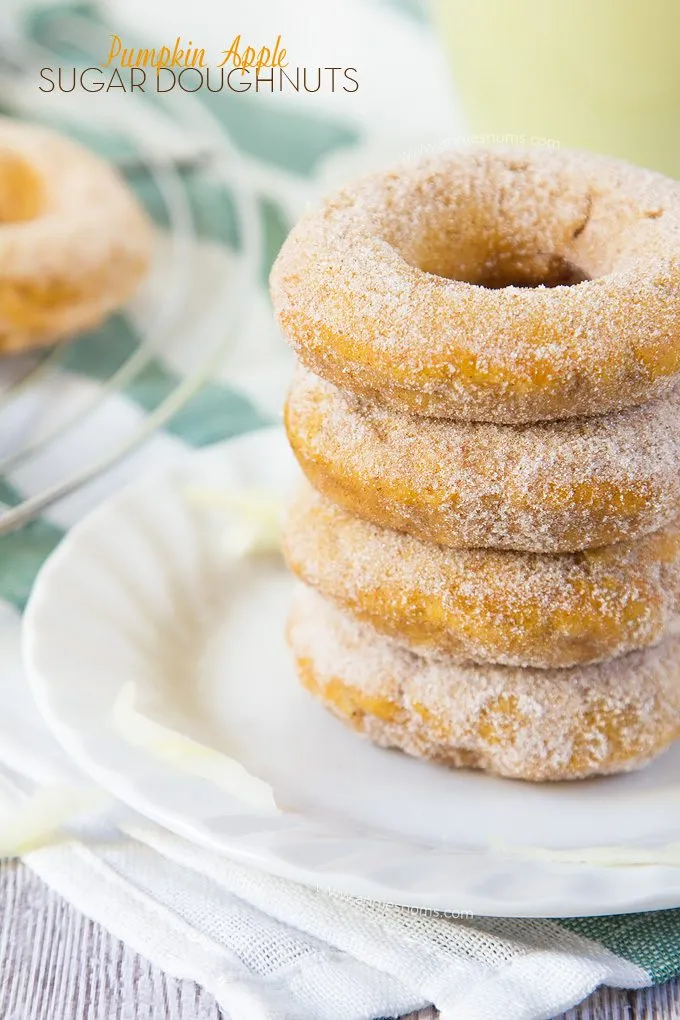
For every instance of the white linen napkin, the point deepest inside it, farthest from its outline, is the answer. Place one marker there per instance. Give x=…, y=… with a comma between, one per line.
x=268, y=948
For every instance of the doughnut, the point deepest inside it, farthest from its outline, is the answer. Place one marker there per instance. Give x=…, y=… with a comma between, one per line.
x=506, y=286
x=480, y=605
x=74, y=243
x=544, y=724
x=551, y=487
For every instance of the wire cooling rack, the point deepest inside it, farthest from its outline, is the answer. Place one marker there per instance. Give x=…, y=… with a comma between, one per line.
x=157, y=309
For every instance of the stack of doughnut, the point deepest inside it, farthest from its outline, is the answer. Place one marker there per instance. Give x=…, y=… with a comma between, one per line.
x=487, y=413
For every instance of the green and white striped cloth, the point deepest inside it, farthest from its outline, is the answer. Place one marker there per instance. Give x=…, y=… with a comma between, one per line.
x=531, y=968
x=235, y=400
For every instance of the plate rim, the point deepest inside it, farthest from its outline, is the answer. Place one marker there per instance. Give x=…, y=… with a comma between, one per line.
x=564, y=901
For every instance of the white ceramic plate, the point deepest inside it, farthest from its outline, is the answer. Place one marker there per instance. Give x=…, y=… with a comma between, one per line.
x=139, y=591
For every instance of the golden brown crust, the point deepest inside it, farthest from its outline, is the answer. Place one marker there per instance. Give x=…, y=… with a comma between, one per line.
x=526, y=724
x=482, y=605
x=74, y=242
x=551, y=487
x=395, y=287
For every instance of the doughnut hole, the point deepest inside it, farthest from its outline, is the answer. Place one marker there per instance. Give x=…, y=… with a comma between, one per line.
x=21, y=189
x=521, y=223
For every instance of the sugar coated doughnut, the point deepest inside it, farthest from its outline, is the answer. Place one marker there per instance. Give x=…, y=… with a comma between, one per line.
x=503, y=286
x=481, y=605
x=74, y=242
x=550, y=487
x=527, y=724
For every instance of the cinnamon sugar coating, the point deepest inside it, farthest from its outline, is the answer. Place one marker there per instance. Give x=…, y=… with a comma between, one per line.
x=482, y=605
x=492, y=436
x=522, y=723
x=549, y=487
x=490, y=285
x=74, y=242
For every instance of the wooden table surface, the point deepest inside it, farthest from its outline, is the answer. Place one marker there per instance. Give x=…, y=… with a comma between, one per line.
x=57, y=965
